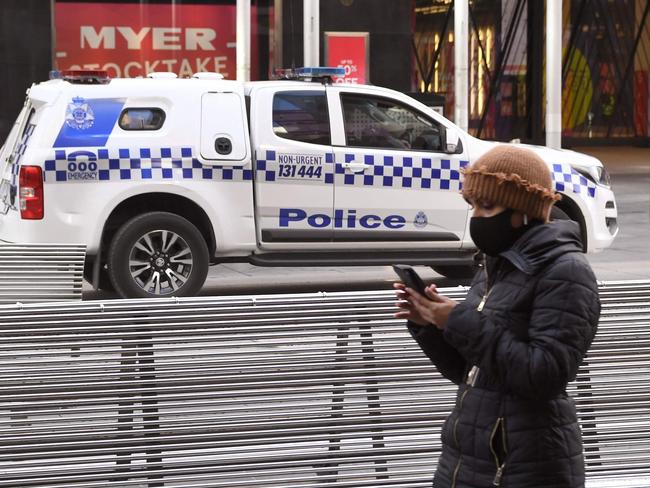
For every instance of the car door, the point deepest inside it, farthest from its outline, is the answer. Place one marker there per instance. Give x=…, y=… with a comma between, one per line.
x=394, y=184
x=294, y=170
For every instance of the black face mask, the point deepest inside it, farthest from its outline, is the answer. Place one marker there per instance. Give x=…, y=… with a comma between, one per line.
x=493, y=235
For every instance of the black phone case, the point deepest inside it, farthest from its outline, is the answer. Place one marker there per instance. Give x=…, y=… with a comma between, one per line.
x=409, y=277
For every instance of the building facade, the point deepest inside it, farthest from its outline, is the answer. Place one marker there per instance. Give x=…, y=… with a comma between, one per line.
x=407, y=45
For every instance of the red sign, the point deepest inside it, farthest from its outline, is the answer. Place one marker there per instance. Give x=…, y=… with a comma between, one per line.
x=129, y=40
x=348, y=50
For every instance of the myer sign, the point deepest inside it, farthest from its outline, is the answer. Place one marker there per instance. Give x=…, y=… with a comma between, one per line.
x=155, y=38
x=135, y=39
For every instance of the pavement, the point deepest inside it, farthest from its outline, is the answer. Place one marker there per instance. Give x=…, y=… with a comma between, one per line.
x=621, y=160
x=625, y=260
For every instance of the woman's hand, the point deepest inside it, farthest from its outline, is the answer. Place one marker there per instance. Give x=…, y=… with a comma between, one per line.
x=407, y=310
x=432, y=308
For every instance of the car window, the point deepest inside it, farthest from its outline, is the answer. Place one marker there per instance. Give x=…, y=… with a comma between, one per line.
x=133, y=118
x=301, y=116
x=29, y=122
x=382, y=123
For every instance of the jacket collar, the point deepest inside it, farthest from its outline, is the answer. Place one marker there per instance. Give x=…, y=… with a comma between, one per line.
x=542, y=244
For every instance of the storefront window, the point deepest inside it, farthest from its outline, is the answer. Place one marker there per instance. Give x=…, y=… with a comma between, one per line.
x=605, y=68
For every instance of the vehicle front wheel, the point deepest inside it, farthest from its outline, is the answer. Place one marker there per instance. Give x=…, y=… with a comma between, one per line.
x=158, y=254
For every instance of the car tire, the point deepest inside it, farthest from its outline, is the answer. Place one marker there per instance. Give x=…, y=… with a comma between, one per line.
x=158, y=254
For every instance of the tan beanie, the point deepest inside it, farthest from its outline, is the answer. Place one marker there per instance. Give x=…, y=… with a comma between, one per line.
x=514, y=177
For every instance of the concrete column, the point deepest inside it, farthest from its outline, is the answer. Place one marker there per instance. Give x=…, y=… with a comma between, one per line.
x=243, y=40
x=461, y=63
x=311, y=32
x=554, y=73
x=278, y=46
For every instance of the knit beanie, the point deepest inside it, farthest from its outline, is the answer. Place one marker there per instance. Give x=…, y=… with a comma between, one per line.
x=514, y=177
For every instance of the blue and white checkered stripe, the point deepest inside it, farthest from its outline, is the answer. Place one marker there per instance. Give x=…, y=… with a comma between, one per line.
x=166, y=163
x=567, y=179
x=383, y=171
x=404, y=172
x=19, y=152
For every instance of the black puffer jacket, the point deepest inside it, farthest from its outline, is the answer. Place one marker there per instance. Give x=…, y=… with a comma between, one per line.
x=515, y=426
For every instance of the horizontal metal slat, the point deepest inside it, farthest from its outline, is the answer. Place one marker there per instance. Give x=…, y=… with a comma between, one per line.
x=209, y=378
x=41, y=272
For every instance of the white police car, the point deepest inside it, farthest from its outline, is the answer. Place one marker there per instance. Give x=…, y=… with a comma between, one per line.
x=160, y=176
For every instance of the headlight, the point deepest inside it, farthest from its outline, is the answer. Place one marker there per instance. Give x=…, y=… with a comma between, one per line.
x=604, y=177
x=596, y=174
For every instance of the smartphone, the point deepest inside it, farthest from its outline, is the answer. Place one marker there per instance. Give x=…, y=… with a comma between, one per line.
x=410, y=278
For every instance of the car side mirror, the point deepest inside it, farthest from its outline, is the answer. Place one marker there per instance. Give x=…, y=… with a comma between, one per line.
x=451, y=140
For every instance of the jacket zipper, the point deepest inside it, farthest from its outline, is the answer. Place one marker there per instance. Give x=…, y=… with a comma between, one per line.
x=499, y=465
x=457, y=468
x=500, y=421
x=488, y=287
x=460, y=403
x=453, y=482
x=483, y=300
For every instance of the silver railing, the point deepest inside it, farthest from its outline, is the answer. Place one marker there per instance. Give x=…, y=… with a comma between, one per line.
x=41, y=272
x=271, y=391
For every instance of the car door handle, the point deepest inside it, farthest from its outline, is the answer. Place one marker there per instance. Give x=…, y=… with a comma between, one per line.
x=356, y=167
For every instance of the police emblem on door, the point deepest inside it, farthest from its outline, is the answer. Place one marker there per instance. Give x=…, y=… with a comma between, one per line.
x=421, y=220
x=79, y=115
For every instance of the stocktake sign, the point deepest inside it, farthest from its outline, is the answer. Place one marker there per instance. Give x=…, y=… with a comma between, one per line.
x=129, y=40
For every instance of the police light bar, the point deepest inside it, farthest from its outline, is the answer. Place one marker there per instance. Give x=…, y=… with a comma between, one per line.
x=81, y=76
x=316, y=72
x=309, y=73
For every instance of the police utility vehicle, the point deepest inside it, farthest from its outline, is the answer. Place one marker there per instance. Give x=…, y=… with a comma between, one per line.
x=160, y=177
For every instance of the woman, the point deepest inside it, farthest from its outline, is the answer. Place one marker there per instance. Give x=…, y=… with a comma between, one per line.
x=517, y=339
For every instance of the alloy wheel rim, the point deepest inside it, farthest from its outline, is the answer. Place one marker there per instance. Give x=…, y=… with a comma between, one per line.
x=160, y=262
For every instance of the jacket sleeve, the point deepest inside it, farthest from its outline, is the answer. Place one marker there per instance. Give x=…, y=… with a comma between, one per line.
x=447, y=360
x=563, y=322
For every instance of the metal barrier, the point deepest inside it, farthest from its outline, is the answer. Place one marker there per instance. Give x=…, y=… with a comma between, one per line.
x=271, y=391
x=41, y=272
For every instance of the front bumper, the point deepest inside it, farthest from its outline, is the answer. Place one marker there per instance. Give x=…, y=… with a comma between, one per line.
x=601, y=220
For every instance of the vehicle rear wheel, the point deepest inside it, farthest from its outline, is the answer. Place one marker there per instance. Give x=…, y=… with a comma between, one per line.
x=158, y=254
